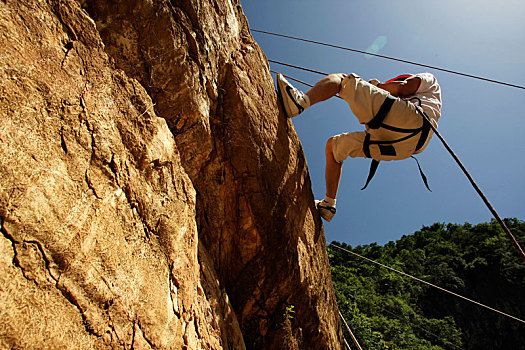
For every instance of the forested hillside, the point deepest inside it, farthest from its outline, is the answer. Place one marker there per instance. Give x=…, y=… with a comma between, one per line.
x=387, y=310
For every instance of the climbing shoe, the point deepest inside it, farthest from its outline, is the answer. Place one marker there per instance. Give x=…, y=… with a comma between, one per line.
x=294, y=101
x=326, y=212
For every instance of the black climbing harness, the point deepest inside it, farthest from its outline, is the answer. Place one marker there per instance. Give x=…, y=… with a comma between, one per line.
x=386, y=148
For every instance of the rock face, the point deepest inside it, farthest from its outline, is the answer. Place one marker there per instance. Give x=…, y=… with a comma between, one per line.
x=152, y=192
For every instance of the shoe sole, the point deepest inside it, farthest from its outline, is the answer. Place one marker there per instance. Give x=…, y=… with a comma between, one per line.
x=326, y=214
x=285, y=107
x=281, y=98
x=280, y=95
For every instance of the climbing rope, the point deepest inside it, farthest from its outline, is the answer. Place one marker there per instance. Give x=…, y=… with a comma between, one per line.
x=454, y=156
x=294, y=79
x=428, y=283
x=390, y=58
x=354, y=339
x=476, y=187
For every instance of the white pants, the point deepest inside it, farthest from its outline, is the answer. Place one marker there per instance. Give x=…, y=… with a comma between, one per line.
x=365, y=100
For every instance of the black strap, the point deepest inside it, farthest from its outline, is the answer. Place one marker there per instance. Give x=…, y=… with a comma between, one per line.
x=425, y=130
x=371, y=173
x=376, y=122
x=366, y=146
x=400, y=130
x=375, y=164
x=391, y=142
x=421, y=173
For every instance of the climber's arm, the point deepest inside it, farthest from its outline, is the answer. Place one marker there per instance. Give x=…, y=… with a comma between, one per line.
x=403, y=88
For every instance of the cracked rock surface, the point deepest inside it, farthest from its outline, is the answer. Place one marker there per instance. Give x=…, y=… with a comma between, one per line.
x=152, y=193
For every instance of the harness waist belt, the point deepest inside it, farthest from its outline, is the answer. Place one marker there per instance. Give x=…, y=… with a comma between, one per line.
x=386, y=147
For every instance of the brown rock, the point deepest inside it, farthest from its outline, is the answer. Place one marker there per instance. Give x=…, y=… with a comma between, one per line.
x=152, y=193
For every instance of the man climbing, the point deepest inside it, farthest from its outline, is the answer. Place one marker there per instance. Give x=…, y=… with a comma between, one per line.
x=394, y=129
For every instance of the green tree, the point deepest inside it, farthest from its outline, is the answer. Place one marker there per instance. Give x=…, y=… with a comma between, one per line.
x=389, y=311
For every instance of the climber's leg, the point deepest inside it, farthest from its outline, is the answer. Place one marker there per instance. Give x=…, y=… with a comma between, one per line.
x=338, y=148
x=325, y=88
x=332, y=171
x=295, y=101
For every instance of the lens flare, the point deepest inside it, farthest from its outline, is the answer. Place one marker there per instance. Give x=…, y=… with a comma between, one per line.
x=376, y=46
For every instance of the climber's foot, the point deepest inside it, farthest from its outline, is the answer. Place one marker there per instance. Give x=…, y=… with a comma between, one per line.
x=326, y=212
x=294, y=101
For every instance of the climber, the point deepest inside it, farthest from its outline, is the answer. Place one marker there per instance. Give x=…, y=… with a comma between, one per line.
x=394, y=129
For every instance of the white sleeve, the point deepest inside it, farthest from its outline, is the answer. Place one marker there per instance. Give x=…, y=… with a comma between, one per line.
x=428, y=82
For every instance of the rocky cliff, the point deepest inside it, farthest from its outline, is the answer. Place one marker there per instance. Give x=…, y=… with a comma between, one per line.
x=152, y=193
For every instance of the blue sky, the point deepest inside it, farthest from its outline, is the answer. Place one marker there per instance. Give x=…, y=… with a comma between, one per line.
x=483, y=122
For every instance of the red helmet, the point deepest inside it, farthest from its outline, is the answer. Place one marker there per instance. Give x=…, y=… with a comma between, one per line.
x=399, y=78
